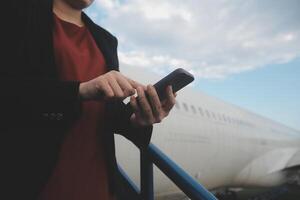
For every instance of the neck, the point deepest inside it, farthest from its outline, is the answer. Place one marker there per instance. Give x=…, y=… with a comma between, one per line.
x=66, y=12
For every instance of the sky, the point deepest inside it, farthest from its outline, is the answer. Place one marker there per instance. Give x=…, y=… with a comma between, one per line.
x=244, y=52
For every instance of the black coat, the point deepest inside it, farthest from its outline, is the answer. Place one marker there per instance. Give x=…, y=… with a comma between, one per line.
x=37, y=108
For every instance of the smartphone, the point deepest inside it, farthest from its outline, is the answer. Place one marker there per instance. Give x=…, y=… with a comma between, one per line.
x=178, y=79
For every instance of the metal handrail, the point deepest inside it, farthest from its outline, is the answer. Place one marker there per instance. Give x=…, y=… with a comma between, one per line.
x=152, y=155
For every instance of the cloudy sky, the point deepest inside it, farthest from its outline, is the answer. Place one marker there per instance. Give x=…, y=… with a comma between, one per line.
x=244, y=52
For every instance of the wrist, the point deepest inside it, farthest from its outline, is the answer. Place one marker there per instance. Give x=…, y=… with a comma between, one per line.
x=82, y=91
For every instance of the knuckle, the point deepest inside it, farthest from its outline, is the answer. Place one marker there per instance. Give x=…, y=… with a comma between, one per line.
x=150, y=89
x=109, y=76
x=116, y=73
x=113, y=72
x=100, y=82
x=158, y=108
x=142, y=97
x=147, y=110
x=127, y=92
x=131, y=91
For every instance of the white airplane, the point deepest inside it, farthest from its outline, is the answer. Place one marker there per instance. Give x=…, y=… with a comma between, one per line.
x=219, y=144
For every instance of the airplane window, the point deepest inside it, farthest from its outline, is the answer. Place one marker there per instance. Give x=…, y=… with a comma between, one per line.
x=220, y=117
x=193, y=109
x=200, y=110
x=207, y=113
x=224, y=117
x=234, y=120
x=229, y=119
x=186, y=107
x=213, y=115
x=177, y=105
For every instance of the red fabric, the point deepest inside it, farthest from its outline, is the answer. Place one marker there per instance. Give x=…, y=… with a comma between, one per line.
x=81, y=172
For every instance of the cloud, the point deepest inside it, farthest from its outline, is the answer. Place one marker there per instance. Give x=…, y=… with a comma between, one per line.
x=211, y=38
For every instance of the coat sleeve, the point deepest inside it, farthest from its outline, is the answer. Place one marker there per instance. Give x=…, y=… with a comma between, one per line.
x=31, y=103
x=27, y=98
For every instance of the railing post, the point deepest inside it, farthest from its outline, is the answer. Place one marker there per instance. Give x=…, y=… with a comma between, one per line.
x=184, y=181
x=152, y=155
x=147, y=192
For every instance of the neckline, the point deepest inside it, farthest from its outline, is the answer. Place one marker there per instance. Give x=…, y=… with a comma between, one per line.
x=69, y=23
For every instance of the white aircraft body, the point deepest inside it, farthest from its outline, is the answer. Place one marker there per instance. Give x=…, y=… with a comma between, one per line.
x=219, y=144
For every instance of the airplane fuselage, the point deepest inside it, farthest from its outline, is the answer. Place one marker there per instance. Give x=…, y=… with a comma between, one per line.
x=218, y=144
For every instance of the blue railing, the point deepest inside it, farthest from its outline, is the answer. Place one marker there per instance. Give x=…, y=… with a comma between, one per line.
x=152, y=155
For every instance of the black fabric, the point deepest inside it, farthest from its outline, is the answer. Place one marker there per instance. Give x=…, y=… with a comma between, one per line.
x=37, y=108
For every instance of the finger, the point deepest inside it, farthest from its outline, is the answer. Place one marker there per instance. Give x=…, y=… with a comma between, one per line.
x=127, y=88
x=137, y=111
x=104, y=88
x=135, y=84
x=134, y=105
x=118, y=92
x=145, y=107
x=170, y=101
x=155, y=103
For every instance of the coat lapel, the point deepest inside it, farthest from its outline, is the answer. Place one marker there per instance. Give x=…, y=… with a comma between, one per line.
x=105, y=42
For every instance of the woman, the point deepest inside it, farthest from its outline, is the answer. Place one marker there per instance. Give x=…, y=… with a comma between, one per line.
x=63, y=102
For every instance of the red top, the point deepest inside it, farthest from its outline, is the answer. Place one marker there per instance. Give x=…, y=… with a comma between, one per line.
x=81, y=172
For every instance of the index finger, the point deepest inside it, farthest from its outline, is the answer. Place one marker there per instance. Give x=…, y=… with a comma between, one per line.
x=136, y=84
x=169, y=102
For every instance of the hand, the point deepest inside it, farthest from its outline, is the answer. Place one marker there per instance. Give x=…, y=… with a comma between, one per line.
x=112, y=85
x=150, y=110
